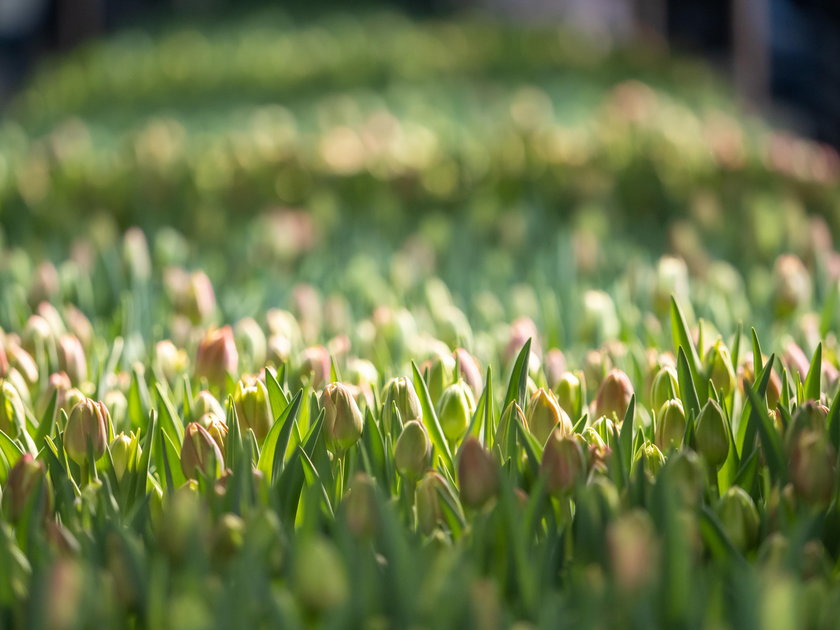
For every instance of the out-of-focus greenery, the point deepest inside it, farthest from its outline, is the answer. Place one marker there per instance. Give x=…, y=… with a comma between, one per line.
x=450, y=324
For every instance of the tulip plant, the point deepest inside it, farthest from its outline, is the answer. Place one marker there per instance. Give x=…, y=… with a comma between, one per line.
x=511, y=370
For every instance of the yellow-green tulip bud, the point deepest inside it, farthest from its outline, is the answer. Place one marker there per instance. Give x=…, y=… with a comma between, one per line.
x=216, y=427
x=719, y=368
x=429, y=510
x=712, y=434
x=217, y=357
x=343, y=422
x=545, y=415
x=665, y=386
x=320, y=577
x=739, y=518
x=455, y=410
x=253, y=408
x=400, y=392
x=670, y=425
x=569, y=393
x=121, y=454
x=360, y=506
x=412, y=451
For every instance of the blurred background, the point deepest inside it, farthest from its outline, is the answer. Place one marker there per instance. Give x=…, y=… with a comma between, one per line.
x=780, y=54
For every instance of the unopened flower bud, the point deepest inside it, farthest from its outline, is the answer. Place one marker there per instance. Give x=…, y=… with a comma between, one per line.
x=192, y=294
x=26, y=481
x=687, y=476
x=121, y=454
x=719, y=368
x=205, y=402
x=651, y=458
x=58, y=384
x=228, y=536
x=455, y=410
x=712, y=434
x=544, y=415
x=739, y=517
x=251, y=338
x=441, y=376
x=400, y=392
x=11, y=408
x=670, y=425
x=315, y=366
x=320, y=578
x=429, y=510
x=791, y=284
x=614, y=395
x=216, y=427
x=810, y=416
x=22, y=361
x=554, y=366
x=200, y=453
x=665, y=386
x=469, y=370
x=45, y=284
x=343, y=422
x=170, y=359
x=136, y=254
x=569, y=392
x=253, y=408
x=478, y=474
x=87, y=431
x=563, y=463
x=360, y=506
x=411, y=453
x=217, y=356
x=633, y=550
x=813, y=467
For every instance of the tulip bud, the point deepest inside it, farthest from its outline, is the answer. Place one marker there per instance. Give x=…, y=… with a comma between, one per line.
x=563, y=463
x=22, y=361
x=71, y=358
x=651, y=458
x=253, y=408
x=205, y=402
x=4, y=362
x=87, y=430
x=411, y=453
x=343, y=422
x=170, y=360
x=597, y=450
x=614, y=395
x=121, y=454
x=217, y=356
x=633, y=550
x=554, y=366
x=400, y=392
x=469, y=370
x=512, y=413
x=45, y=284
x=792, y=284
x=478, y=474
x=813, y=467
x=320, y=578
x=569, y=392
x=712, y=434
x=810, y=416
x=216, y=427
x=606, y=429
x=200, y=453
x=315, y=366
x=11, y=408
x=228, y=536
x=739, y=517
x=58, y=384
x=665, y=386
x=686, y=474
x=27, y=478
x=719, y=368
x=37, y=332
x=670, y=425
x=429, y=510
x=250, y=336
x=192, y=294
x=544, y=415
x=600, y=320
x=360, y=506
x=441, y=376
x=455, y=410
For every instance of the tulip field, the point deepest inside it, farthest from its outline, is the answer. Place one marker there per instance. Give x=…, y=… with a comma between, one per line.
x=375, y=322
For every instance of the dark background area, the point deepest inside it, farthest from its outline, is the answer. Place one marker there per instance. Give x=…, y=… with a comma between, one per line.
x=782, y=55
